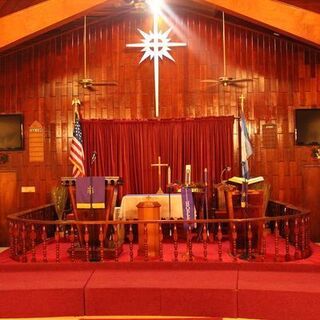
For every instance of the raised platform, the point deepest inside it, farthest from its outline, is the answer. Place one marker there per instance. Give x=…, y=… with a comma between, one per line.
x=252, y=290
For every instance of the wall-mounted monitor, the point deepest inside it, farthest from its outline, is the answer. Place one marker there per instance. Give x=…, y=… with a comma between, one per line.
x=11, y=131
x=307, y=128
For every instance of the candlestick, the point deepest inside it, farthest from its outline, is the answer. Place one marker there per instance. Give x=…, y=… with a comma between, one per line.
x=188, y=174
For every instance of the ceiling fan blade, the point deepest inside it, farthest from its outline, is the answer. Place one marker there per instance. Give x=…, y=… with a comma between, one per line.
x=209, y=81
x=241, y=80
x=236, y=84
x=105, y=83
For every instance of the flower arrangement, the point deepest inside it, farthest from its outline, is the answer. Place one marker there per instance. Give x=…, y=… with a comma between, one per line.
x=315, y=152
x=3, y=158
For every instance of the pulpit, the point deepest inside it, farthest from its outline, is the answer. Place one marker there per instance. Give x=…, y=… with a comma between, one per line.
x=111, y=191
x=149, y=210
x=254, y=209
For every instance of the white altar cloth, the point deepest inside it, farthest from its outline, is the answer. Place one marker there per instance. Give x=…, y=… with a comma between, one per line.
x=129, y=210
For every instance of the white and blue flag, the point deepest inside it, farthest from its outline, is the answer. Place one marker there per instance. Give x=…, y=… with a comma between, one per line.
x=246, y=148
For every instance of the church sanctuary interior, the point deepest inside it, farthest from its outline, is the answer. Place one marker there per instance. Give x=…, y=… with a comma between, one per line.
x=160, y=159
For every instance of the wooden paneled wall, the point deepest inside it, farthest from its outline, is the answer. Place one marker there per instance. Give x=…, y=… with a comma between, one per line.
x=40, y=80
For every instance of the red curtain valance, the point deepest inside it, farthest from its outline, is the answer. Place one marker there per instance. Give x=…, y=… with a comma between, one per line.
x=127, y=148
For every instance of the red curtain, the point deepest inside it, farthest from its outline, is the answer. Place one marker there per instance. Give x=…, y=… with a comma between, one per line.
x=127, y=148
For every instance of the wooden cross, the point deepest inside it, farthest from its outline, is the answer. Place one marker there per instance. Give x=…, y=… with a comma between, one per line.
x=159, y=165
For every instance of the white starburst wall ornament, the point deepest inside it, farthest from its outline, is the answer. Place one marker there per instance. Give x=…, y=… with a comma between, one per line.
x=156, y=45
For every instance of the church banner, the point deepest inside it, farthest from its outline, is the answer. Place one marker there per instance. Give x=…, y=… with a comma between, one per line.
x=187, y=205
x=90, y=191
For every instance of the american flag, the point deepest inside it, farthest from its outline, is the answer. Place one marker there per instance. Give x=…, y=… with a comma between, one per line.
x=76, y=150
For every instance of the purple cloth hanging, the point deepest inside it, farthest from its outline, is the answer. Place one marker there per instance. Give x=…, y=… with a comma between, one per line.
x=187, y=205
x=90, y=190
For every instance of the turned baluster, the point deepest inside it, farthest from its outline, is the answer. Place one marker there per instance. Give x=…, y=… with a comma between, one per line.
x=276, y=241
x=249, y=233
x=205, y=242
x=219, y=235
x=23, y=237
x=131, y=243
x=57, y=240
x=302, y=235
x=33, y=236
x=234, y=242
x=145, y=241
x=189, y=244
x=296, y=239
x=76, y=235
x=11, y=239
x=86, y=241
x=72, y=239
x=116, y=242
x=307, y=235
x=44, y=244
x=175, y=243
x=286, y=230
x=160, y=243
x=16, y=239
x=264, y=242
x=101, y=244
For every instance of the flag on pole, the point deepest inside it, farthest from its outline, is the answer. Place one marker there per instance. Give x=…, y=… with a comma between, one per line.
x=246, y=148
x=246, y=152
x=76, y=150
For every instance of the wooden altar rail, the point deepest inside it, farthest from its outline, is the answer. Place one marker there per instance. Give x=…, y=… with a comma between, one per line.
x=33, y=228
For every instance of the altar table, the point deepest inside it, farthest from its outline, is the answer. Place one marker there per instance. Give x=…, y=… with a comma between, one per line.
x=128, y=209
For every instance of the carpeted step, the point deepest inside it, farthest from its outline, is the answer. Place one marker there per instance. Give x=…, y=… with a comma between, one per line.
x=279, y=295
x=162, y=292
x=42, y=293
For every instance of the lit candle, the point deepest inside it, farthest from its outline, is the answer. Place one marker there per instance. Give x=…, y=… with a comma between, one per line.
x=188, y=174
x=169, y=175
x=205, y=176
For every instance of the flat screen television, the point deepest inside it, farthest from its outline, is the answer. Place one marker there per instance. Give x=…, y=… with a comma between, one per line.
x=11, y=132
x=307, y=129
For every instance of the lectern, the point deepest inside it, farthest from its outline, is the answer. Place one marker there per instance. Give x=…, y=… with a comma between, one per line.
x=254, y=209
x=112, y=184
x=149, y=210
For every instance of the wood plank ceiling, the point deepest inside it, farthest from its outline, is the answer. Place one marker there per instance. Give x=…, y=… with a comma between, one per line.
x=302, y=24
x=10, y=6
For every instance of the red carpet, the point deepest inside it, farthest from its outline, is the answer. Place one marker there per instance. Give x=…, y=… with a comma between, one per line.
x=163, y=292
x=42, y=293
x=286, y=290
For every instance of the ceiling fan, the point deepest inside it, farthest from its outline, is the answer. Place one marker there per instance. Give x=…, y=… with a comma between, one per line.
x=225, y=80
x=122, y=7
x=86, y=82
x=137, y=4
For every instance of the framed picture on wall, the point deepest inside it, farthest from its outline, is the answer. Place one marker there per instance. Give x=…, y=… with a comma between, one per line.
x=11, y=132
